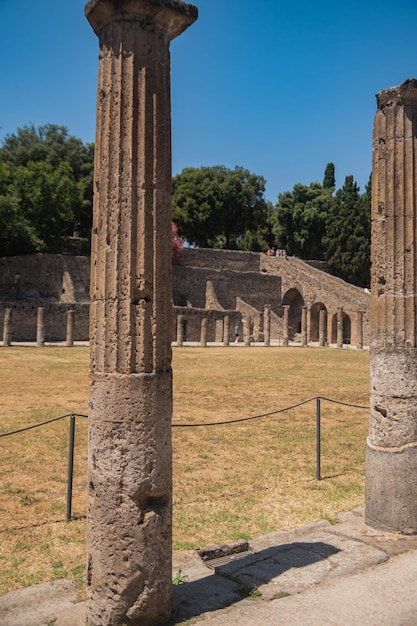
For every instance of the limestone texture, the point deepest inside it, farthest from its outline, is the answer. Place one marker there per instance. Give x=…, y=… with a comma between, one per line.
x=391, y=474
x=129, y=530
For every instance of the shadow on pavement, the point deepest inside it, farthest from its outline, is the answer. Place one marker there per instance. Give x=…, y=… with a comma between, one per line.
x=238, y=579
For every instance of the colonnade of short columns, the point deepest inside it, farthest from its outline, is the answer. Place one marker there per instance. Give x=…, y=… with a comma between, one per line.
x=324, y=331
x=40, y=327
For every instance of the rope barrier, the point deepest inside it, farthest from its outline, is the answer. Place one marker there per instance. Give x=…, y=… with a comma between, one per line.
x=54, y=419
x=199, y=425
x=355, y=406
x=72, y=417
x=244, y=419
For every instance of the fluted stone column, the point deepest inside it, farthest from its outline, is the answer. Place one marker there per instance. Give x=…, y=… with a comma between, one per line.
x=322, y=327
x=203, y=333
x=339, y=319
x=304, y=326
x=40, y=327
x=180, y=330
x=7, y=328
x=267, y=325
x=391, y=466
x=129, y=530
x=359, y=330
x=285, y=321
x=70, y=328
x=226, y=326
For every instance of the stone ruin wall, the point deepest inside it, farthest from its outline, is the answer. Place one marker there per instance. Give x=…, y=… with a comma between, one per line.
x=208, y=284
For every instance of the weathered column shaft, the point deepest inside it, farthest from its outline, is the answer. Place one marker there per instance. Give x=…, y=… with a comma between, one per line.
x=70, y=328
x=267, y=325
x=40, y=327
x=322, y=327
x=203, y=333
x=130, y=475
x=180, y=330
x=304, y=326
x=339, y=338
x=247, y=327
x=285, y=322
x=226, y=327
x=7, y=328
x=330, y=328
x=308, y=325
x=391, y=473
x=359, y=330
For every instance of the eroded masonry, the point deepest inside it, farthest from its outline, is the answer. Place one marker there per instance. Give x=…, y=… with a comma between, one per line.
x=391, y=473
x=129, y=529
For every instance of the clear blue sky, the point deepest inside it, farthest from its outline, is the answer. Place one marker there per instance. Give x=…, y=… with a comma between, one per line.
x=280, y=87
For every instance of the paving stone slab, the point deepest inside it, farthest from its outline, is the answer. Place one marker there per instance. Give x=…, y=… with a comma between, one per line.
x=293, y=567
x=34, y=606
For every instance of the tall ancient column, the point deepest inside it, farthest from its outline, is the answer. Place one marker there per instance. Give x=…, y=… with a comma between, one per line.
x=129, y=534
x=391, y=466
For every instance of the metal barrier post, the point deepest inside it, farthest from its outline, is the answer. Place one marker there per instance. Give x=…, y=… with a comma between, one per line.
x=318, y=439
x=70, y=467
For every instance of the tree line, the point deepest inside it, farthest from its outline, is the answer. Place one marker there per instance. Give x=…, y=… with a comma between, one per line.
x=46, y=188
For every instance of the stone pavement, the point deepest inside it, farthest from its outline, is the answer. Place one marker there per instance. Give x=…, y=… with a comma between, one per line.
x=344, y=574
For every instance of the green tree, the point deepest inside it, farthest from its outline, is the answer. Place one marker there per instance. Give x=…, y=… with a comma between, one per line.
x=301, y=216
x=216, y=207
x=53, y=146
x=329, y=181
x=47, y=197
x=17, y=235
x=347, y=238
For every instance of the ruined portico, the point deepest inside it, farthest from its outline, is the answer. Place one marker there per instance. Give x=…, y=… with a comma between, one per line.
x=391, y=470
x=129, y=533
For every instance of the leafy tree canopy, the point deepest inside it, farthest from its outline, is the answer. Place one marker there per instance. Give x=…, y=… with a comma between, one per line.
x=348, y=233
x=216, y=207
x=45, y=187
x=313, y=222
x=300, y=220
x=329, y=181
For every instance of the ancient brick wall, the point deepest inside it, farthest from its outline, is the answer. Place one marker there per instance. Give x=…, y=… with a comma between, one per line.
x=45, y=278
x=206, y=280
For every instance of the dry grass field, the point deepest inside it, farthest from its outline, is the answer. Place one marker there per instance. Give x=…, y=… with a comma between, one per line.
x=230, y=481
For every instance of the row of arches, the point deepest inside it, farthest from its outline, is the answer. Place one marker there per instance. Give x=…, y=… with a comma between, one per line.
x=294, y=300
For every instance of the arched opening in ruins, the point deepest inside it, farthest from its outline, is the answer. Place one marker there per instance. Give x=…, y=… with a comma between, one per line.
x=347, y=328
x=295, y=301
x=315, y=321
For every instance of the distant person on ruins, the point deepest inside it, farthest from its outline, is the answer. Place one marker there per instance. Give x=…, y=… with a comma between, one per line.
x=236, y=331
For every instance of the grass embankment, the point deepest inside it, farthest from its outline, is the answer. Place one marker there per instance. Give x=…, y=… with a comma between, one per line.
x=230, y=481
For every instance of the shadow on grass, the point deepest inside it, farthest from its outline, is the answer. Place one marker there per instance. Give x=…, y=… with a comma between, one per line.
x=40, y=524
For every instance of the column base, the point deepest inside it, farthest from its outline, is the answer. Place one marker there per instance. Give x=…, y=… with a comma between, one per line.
x=391, y=489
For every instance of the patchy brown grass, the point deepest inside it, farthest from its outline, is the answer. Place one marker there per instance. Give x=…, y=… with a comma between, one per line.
x=230, y=481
